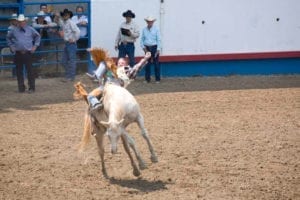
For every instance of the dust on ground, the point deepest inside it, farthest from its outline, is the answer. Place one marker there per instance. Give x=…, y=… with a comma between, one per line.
x=233, y=137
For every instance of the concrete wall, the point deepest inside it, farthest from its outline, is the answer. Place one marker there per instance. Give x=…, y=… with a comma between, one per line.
x=197, y=27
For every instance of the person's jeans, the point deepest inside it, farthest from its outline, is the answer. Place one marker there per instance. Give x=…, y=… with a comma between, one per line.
x=127, y=49
x=155, y=61
x=82, y=44
x=69, y=60
x=24, y=58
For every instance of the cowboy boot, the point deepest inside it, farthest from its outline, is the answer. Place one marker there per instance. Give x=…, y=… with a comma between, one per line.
x=95, y=104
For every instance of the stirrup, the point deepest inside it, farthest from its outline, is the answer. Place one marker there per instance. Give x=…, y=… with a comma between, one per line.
x=91, y=76
x=96, y=108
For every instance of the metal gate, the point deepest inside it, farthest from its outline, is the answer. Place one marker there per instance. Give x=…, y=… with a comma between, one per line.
x=47, y=58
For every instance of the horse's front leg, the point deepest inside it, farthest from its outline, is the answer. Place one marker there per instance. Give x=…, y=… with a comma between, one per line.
x=140, y=122
x=136, y=171
x=131, y=143
x=99, y=139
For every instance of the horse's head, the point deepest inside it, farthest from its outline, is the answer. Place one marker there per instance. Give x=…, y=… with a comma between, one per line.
x=114, y=131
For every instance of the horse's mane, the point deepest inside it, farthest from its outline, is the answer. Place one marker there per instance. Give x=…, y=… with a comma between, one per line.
x=99, y=55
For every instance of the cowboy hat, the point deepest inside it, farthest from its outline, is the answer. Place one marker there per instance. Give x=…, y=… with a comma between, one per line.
x=150, y=19
x=128, y=13
x=22, y=18
x=41, y=14
x=13, y=17
x=66, y=11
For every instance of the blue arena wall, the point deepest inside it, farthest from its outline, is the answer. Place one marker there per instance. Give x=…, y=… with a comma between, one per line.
x=231, y=67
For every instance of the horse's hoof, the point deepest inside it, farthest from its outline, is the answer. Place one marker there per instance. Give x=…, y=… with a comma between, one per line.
x=142, y=166
x=105, y=175
x=136, y=172
x=154, y=159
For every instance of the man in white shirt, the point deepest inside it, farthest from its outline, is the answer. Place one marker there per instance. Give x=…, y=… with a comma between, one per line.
x=82, y=22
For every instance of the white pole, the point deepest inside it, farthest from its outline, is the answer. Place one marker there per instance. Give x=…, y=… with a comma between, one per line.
x=161, y=20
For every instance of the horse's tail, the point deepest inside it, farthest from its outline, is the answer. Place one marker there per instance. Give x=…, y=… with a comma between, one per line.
x=85, y=139
x=80, y=92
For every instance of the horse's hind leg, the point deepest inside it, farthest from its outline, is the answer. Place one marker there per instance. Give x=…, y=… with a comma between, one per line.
x=136, y=171
x=140, y=122
x=131, y=143
x=99, y=139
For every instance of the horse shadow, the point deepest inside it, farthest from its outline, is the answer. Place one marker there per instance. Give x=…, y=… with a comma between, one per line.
x=140, y=184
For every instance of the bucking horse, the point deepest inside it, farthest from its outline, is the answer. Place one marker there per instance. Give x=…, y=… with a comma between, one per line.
x=120, y=109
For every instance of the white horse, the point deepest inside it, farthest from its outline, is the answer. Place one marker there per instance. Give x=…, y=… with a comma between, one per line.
x=120, y=110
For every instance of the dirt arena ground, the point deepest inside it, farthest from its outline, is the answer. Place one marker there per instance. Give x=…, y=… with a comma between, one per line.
x=231, y=137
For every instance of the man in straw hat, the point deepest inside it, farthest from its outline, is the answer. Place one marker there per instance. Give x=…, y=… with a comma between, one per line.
x=13, y=23
x=151, y=42
x=41, y=25
x=128, y=32
x=23, y=41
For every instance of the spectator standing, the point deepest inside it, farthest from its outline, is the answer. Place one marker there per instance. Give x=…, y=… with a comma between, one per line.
x=151, y=42
x=82, y=22
x=23, y=41
x=44, y=8
x=70, y=33
x=127, y=34
x=41, y=25
x=53, y=31
x=13, y=23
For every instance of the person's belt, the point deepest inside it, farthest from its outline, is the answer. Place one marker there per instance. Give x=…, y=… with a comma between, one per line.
x=124, y=43
x=23, y=52
x=150, y=46
x=67, y=42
